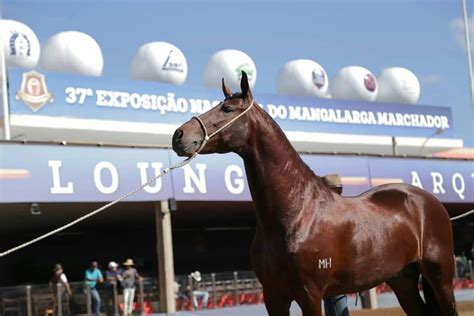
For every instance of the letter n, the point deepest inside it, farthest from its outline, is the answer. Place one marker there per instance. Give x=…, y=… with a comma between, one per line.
x=191, y=177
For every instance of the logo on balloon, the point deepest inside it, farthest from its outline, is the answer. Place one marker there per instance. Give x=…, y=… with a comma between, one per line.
x=319, y=79
x=248, y=70
x=172, y=63
x=19, y=45
x=34, y=92
x=369, y=82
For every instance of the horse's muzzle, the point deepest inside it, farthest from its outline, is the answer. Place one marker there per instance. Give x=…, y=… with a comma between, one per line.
x=181, y=146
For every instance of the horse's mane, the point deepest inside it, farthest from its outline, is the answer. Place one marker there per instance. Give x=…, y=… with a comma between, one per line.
x=288, y=147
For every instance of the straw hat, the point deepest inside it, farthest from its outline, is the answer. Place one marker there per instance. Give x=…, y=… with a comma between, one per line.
x=196, y=275
x=333, y=180
x=129, y=262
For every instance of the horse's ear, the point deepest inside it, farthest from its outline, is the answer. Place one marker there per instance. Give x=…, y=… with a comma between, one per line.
x=227, y=92
x=244, y=86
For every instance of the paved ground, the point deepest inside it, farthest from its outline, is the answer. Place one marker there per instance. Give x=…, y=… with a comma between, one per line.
x=385, y=300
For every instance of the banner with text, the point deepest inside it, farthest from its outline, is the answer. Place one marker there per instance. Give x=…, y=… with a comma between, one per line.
x=48, y=173
x=72, y=96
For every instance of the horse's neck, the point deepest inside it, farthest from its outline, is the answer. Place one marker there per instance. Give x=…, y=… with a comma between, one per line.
x=278, y=178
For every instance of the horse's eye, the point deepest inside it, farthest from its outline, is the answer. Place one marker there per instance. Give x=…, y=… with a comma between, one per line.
x=227, y=108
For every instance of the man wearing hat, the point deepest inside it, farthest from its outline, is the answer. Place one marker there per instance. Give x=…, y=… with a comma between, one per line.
x=129, y=278
x=335, y=305
x=113, y=277
x=196, y=294
x=59, y=278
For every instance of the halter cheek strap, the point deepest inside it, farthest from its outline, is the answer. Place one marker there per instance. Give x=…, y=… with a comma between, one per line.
x=206, y=136
x=220, y=129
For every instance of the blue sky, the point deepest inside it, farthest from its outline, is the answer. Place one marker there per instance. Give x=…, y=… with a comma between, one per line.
x=374, y=34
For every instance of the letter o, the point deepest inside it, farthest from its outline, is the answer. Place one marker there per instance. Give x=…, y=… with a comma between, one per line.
x=105, y=165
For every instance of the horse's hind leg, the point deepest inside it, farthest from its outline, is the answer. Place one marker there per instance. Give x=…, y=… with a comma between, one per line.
x=405, y=287
x=438, y=288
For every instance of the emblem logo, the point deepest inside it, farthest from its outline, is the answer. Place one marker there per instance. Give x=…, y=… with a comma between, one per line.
x=369, y=82
x=248, y=70
x=319, y=79
x=172, y=63
x=19, y=45
x=33, y=91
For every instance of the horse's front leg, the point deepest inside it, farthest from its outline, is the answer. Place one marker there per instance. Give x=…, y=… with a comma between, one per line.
x=310, y=302
x=276, y=303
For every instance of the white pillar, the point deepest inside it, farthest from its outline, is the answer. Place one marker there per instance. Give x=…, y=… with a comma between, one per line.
x=164, y=249
x=373, y=298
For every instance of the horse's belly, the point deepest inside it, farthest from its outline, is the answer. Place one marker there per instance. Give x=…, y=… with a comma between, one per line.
x=364, y=266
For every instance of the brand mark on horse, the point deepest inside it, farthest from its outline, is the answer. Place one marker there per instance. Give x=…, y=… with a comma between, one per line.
x=325, y=263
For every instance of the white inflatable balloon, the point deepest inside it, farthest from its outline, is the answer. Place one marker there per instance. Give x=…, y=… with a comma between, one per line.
x=160, y=61
x=303, y=77
x=354, y=83
x=20, y=44
x=72, y=52
x=228, y=64
x=398, y=85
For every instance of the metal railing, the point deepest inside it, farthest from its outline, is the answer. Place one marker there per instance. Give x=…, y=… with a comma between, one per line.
x=226, y=289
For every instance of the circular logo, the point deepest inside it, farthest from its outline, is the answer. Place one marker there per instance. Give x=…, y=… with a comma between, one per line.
x=319, y=78
x=248, y=70
x=369, y=82
x=19, y=45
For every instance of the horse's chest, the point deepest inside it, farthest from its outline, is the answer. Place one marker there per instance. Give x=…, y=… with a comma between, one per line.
x=270, y=257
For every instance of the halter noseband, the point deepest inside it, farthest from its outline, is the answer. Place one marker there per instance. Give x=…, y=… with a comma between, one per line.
x=204, y=128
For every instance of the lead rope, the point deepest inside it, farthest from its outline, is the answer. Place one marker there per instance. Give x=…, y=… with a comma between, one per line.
x=97, y=211
x=126, y=195
x=462, y=215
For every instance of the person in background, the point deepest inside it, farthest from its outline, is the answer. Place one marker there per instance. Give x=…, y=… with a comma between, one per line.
x=129, y=278
x=335, y=305
x=113, y=277
x=180, y=293
x=92, y=277
x=462, y=264
x=196, y=294
x=65, y=293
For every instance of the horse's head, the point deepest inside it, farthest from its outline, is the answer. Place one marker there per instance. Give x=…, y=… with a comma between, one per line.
x=226, y=125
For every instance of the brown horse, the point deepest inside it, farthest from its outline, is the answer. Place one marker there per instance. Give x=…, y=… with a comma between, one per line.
x=311, y=243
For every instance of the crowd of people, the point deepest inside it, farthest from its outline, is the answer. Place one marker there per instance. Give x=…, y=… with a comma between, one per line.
x=125, y=277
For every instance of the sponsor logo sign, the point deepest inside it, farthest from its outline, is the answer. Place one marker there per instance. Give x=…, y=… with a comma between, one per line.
x=172, y=63
x=370, y=83
x=319, y=78
x=34, y=92
x=248, y=70
x=19, y=44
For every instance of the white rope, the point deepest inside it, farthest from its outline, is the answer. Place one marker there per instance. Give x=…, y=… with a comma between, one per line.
x=97, y=211
x=164, y=172
x=462, y=215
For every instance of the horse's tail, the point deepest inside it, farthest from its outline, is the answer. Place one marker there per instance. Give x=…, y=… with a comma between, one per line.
x=430, y=299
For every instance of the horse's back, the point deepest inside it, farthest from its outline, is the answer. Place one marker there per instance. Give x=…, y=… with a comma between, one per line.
x=421, y=209
x=404, y=196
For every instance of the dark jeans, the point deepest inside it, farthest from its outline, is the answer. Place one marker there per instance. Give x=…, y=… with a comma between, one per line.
x=336, y=306
x=95, y=298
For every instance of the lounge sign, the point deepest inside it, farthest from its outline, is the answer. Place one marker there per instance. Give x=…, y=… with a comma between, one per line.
x=133, y=101
x=40, y=173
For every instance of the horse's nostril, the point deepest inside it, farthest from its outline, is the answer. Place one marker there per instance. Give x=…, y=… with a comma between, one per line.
x=178, y=134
